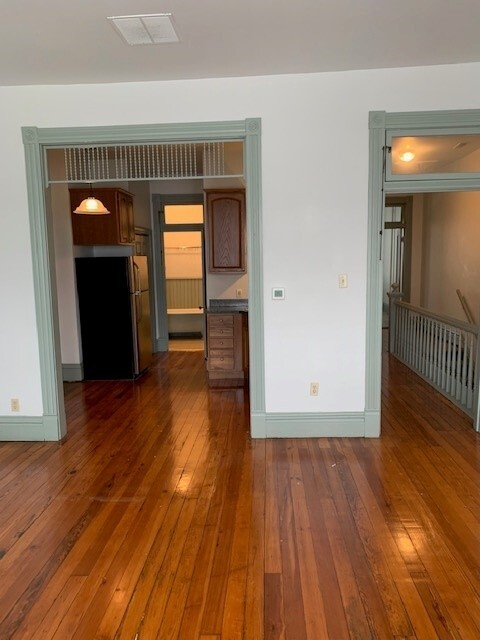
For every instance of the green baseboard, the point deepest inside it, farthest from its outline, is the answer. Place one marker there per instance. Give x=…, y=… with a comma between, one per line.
x=72, y=372
x=309, y=425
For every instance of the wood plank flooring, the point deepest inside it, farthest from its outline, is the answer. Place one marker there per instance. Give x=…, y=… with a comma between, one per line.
x=159, y=518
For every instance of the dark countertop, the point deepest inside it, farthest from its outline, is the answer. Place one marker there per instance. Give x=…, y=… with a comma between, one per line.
x=234, y=305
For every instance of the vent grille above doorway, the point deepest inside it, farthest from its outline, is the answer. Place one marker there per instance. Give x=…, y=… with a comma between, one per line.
x=149, y=162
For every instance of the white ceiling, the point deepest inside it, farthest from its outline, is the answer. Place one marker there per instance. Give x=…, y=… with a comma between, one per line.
x=71, y=41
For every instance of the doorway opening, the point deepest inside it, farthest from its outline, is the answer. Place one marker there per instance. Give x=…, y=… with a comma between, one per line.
x=51, y=425
x=396, y=251
x=440, y=169
x=183, y=250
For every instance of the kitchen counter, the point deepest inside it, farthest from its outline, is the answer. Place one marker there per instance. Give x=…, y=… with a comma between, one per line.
x=235, y=305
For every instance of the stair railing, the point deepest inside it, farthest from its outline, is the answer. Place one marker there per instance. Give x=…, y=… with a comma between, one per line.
x=441, y=350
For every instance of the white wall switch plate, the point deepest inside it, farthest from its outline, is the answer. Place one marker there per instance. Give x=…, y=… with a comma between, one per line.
x=278, y=293
x=343, y=281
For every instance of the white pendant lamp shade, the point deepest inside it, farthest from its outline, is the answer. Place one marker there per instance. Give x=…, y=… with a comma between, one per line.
x=91, y=206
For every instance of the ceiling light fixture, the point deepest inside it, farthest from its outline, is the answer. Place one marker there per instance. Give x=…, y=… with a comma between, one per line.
x=407, y=156
x=91, y=206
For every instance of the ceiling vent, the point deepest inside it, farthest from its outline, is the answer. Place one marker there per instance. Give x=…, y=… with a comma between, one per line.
x=145, y=29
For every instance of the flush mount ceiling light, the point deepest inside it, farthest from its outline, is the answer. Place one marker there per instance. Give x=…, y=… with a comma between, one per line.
x=407, y=156
x=156, y=28
x=91, y=206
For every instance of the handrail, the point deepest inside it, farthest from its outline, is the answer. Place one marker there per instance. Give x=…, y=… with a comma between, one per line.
x=459, y=324
x=465, y=307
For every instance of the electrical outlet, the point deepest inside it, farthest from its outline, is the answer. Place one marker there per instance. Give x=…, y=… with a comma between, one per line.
x=314, y=388
x=15, y=404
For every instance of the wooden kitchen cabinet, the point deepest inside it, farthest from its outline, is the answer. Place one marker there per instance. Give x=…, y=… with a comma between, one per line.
x=225, y=218
x=117, y=227
x=227, y=341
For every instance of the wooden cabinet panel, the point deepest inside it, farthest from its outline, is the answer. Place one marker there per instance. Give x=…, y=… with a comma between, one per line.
x=126, y=224
x=226, y=230
x=114, y=228
x=226, y=338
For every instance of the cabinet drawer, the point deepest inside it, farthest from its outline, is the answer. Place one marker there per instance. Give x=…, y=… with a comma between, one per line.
x=220, y=332
x=217, y=320
x=223, y=363
x=220, y=343
x=220, y=353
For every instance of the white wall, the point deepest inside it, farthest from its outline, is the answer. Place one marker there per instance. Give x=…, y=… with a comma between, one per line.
x=182, y=257
x=451, y=256
x=315, y=207
x=141, y=203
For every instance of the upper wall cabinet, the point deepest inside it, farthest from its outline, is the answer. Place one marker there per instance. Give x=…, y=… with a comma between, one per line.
x=117, y=227
x=226, y=229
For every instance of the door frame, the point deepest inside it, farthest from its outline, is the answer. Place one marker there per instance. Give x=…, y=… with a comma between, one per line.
x=36, y=141
x=198, y=227
x=159, y=201
x=382, y=125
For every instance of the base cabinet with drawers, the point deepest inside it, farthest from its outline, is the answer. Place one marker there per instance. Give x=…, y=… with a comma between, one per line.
x=227, y=349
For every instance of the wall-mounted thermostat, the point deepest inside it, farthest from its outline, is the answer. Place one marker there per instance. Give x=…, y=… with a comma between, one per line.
x=278, y=293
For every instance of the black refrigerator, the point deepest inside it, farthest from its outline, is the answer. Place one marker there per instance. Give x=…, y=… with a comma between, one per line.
x=114, y=309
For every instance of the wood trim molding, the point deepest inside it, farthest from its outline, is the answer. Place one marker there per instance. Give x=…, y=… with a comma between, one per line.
x=380, y=124
x=432, y=119
x=160, y=337
x=374, y=280
x=72, y=372
x=35, y=141
x=315, y=425
x=25, y=429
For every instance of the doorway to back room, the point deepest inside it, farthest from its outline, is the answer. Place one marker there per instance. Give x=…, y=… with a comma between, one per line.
x=184, y=273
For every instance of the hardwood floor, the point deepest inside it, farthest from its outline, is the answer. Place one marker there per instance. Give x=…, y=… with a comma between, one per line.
x=158, y=518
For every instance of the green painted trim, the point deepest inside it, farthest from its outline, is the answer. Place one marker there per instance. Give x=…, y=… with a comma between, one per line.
x=373, y=366
x=381, y=124
x=36, y=141
x=258, y=428
x=72, y=372
x=22, y=428
x=372, y=424
x=429, y=186
x=315, y=425
x=160, y=344
x=231, y=130
x=44, y=285
x=433, y=119
x=253, y=175
x=376, y=120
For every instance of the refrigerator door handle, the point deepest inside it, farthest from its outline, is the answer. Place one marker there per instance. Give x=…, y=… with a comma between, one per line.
x=136, y=277
x=138, y=307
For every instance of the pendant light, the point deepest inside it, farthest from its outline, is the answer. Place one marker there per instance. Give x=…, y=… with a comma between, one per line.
x=91, y=206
